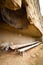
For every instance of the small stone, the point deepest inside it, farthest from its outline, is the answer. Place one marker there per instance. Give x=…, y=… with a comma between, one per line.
x=5, y=46
x=37, y=54
x=33, y=55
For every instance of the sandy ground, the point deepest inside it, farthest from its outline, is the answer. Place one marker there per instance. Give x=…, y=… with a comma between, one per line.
x=31, y=57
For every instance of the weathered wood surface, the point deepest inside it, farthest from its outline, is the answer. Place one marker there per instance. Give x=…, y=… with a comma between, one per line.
x=15, y=19
x=28, y=47
x=23, y=45
x=33, y=13
x=11, y=4
x=34, y=18
x=30, y=31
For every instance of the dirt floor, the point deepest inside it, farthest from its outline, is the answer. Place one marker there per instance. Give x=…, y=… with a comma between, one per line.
x=33, y=56
x=30, y=57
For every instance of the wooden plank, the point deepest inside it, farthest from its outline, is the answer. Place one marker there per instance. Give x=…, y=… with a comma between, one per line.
x=22, y=45
x=29, y=47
